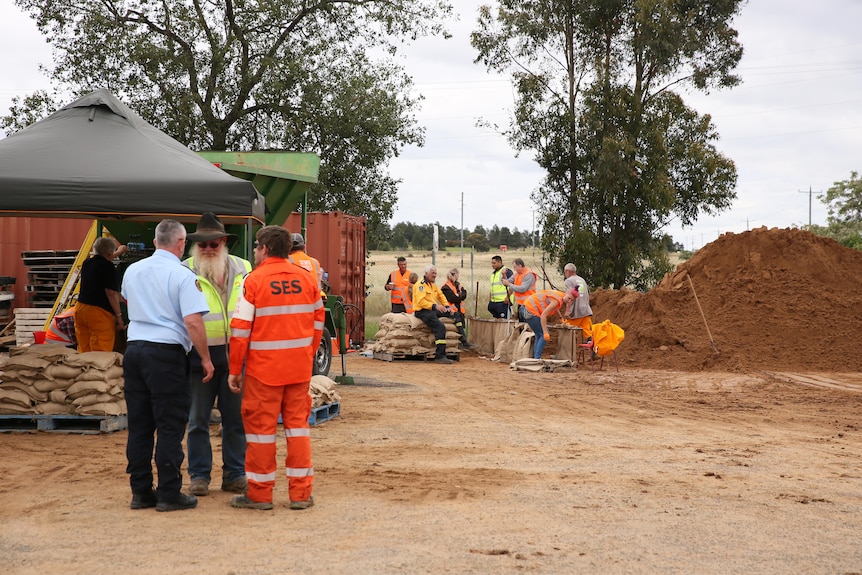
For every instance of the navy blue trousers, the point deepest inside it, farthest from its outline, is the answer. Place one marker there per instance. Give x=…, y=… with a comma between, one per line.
x=158, y=397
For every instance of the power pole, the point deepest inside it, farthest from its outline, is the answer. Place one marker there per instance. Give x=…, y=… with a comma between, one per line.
x=462, y=230
x=810, y=194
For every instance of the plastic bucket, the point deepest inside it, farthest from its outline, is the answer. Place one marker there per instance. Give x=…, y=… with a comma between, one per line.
x=39, y=336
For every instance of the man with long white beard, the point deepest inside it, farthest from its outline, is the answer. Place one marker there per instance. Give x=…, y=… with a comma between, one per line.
x=220, y=277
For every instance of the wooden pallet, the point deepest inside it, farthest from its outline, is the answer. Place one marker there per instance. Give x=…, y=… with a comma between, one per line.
x=454, y=355
x=82, y=424
x=320, y=414
x=28, y=320
x=324, y=413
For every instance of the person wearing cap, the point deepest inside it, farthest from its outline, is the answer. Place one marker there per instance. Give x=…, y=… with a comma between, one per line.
x=97, y=313
x=537, y=309
x=302, y=259
x=166, y=309
x=578, y=312
x=220, y=276
x=397, y=285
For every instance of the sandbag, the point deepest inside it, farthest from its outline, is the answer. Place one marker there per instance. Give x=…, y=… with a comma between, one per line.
x=94, y=359
x=113, y=372
x=111, y=408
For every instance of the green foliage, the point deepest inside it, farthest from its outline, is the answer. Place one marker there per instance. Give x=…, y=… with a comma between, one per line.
x=844, y=201
x=844, y=208
x=254, y=75
x=479, y=242
x=623, y=154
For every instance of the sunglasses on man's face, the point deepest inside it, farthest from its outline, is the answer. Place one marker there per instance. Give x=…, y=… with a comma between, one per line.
x=211, y=245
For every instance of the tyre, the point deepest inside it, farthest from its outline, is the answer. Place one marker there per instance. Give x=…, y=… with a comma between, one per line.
x=323, y=356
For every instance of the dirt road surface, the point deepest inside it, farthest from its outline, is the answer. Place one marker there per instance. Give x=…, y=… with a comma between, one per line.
x=474, y=468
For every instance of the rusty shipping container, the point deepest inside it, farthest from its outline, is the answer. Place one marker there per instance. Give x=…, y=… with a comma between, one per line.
x=29, y=234
x=337, y=240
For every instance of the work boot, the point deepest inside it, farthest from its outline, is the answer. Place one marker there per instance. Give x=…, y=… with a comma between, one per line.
x=243, y=502
x=444, y=360
x=199, y=487
x=144, y=500
x=238, y=485
x=299, y=505
x=182, y=501
x=467, y=345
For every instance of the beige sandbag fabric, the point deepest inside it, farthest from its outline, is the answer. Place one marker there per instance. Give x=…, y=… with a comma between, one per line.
x=405, y=334
x=34, y=393
x=94, y=359
x=322, y=391
x=62, y=371
x=55, y=408
x=15, y=397
x=80, y=388
x=113, y=372
x=52, y=384
x=14, y=409
x=111, y=408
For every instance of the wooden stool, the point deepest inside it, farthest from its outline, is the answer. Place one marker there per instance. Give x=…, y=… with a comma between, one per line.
x=582, y=359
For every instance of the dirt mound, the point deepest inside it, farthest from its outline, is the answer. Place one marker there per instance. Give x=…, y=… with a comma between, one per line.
x=776, y=299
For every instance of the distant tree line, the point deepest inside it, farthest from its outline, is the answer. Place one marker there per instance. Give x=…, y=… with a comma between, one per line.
x=408, y=235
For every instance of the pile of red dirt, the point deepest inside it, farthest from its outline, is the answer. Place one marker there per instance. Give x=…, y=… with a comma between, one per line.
x=774, y=299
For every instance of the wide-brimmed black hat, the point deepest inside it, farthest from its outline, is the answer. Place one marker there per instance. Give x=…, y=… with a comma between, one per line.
x=209, y=228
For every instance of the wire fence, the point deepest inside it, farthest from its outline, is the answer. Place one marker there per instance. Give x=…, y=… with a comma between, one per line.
x=474, y=274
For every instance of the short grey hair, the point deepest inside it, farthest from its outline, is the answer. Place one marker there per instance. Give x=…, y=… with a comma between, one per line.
x=430, y=267
x=169, y=232
x=105, y=247
x=570, y=267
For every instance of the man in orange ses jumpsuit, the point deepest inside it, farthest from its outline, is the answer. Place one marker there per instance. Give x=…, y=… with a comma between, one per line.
x=275, y=331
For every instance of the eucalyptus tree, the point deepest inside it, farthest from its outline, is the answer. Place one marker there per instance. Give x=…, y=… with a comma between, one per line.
x=598, y=101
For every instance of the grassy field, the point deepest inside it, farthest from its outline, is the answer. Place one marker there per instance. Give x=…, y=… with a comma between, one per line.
x=475, y=271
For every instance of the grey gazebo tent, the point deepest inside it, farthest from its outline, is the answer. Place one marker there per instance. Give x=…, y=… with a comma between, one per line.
x=96, y=158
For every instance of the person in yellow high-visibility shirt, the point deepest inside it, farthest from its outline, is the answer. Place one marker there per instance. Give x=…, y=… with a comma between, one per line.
x=429, y=305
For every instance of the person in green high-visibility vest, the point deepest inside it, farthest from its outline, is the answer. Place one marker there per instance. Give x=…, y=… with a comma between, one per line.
x=499, y=302
x=220, y=277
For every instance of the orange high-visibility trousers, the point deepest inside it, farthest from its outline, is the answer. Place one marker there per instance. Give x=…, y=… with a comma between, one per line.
x=95, y=328
x=585, y=323
x=261, y=406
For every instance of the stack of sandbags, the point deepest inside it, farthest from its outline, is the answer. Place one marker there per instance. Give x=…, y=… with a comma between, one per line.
x=322, y=391
x=54, y=380
x=406, y=334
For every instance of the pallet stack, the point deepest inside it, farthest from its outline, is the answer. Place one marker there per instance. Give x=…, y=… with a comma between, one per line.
x=7, y=284
x=46, y=273
x=28, y=320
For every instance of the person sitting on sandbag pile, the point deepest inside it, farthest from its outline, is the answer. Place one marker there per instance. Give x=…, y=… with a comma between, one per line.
x=429, y=305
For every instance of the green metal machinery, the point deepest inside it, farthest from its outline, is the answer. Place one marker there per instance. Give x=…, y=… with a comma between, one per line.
x=283, y=179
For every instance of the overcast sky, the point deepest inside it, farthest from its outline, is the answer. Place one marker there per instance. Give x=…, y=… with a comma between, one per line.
x=794, y=124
